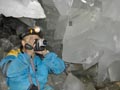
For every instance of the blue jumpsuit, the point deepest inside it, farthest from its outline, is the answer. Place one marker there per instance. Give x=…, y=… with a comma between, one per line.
x=18, y=70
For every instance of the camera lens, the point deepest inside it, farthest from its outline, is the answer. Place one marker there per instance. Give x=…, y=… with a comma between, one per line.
x=45, y=42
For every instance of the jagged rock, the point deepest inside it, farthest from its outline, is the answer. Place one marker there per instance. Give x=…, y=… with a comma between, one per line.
x=6, y=45
x=73, y=83
x=56, y=80
x=3, y=85
x=15, y=40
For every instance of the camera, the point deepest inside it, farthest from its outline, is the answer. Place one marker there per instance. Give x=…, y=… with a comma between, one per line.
x=40, y=44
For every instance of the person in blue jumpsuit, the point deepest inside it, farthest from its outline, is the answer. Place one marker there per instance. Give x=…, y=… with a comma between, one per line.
x=25, y=70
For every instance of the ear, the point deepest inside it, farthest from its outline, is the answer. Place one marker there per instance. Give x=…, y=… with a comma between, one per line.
x=23, y=43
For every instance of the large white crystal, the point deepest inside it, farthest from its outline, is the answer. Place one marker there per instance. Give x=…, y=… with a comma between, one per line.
x=22, y=8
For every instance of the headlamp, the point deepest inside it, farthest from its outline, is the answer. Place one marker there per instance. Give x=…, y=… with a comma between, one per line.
x=31, y=31
x=37, y=29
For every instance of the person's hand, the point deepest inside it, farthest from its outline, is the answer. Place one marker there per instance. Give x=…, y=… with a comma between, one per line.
x=44, y=52
x=30, y=52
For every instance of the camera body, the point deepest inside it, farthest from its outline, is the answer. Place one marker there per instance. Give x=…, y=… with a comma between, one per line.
x=40, y=45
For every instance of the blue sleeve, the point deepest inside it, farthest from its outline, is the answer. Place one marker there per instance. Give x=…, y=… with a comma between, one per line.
x=54, y=63
x=5, y=61
x=18, y=64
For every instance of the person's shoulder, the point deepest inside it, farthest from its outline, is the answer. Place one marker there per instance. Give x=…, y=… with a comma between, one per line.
x=13, y=52
x=12, y=55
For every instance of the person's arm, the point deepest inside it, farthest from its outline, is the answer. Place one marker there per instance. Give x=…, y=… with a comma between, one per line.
x=54, y=63
x=17, y=66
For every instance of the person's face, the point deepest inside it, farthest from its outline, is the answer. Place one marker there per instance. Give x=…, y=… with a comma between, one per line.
x=30, y=39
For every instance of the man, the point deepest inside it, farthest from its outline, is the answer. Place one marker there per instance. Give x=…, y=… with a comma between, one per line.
x=27, y=71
